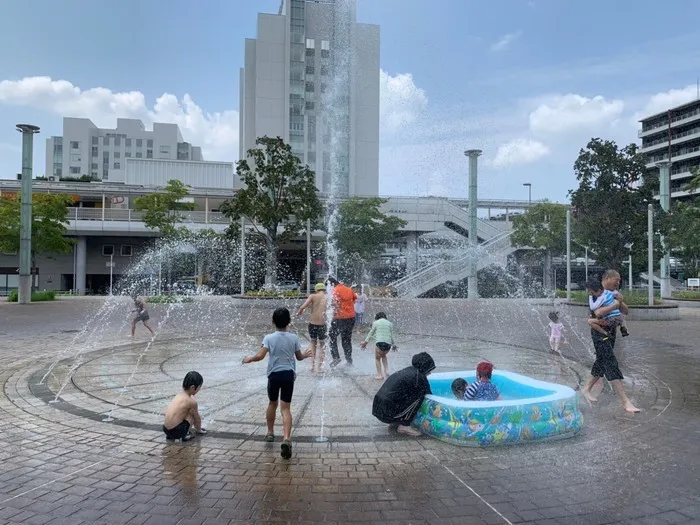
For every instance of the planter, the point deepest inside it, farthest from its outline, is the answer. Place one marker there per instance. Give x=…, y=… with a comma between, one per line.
x=658, y=312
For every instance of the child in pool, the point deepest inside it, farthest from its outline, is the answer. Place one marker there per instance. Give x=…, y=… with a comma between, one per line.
x=182, y=412
x=556, y=331
x=480, y=390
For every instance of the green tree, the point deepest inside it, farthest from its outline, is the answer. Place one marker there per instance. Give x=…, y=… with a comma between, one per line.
x=361, y=232
x=279, y=195
x=49, y=220
x=684, y=228
x=161, y=209
x=610, y=204
x=694, y=183
x=543, y=228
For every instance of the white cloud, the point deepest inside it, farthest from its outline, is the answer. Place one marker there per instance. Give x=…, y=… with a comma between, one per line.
x=216, y=132
x=505, y=41
x=519, y=151
x=401, y=101
x=563, y=113
x=668, y=99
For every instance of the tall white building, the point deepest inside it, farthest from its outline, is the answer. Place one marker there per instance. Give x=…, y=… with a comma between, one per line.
x=86, y=150
x=312, y=77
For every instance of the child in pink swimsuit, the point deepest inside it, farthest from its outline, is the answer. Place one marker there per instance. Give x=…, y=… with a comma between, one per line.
x=556, y=331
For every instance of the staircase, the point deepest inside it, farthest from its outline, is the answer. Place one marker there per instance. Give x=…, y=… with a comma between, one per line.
x=496, y=249
x=675, y=283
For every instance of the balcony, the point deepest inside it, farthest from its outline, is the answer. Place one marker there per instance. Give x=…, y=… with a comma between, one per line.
x=682, y=154
x=676, y=120
x=678, y=138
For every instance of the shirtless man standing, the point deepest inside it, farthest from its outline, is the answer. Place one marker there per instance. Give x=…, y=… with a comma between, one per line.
x=318, y=302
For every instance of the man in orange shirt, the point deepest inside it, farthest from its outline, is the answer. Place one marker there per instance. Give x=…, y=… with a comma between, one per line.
x=343, y=320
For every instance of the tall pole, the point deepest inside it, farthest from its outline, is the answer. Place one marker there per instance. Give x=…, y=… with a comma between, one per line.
x=25, y=237
x=529, y=192
x=472, y=285
x=242, y=255
x=586, y=263
x=568, y=255
x=665, y=201
x=650, y=253
x=308, y=256
x=111, y=267
x=629, y=281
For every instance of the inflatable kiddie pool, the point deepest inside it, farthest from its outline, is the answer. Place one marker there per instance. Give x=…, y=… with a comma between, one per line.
x=530, y=410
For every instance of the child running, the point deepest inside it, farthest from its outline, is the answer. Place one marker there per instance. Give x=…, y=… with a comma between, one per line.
x=141, y=315
x=283, y=348
x=556, y=330
x=182, y=412
x=601, y=298
x=611, y=282
x=318, y=302
x=383, y=333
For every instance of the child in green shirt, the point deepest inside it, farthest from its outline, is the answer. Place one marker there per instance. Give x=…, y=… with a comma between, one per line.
x=383, y=333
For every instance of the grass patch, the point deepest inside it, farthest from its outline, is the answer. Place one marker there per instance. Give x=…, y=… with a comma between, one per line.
x=275, y=294
x=632, y=297
x=37, y=297
x=692, y=295
x=169, y=299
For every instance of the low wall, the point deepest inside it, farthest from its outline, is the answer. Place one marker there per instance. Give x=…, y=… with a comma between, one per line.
x=659, y=312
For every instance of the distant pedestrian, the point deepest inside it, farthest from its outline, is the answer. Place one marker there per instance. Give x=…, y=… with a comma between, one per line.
x=141, y=315
x=556, y=331
x=283, y=347
x=343, y=320
x=360, y=304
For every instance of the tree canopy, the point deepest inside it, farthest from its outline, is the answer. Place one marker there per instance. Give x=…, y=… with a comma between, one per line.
x=610, y=204
x=543, y=227
x=279, y=195
x=161, y=209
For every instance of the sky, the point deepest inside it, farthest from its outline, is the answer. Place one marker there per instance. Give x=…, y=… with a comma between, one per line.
x=527, y=81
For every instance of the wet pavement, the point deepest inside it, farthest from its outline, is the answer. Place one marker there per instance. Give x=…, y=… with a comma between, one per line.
x=68, y=366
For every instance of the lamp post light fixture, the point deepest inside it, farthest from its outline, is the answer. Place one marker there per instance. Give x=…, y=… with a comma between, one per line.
x=25, y=237
x=529, y=192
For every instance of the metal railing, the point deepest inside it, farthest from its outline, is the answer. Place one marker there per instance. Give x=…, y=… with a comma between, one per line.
x=128, y=215
x=430, y=276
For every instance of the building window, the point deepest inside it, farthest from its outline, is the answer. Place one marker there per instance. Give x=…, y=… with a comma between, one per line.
x=117, y=166
x=108, y=250
x=127, y=143
x=149, y=153
x=58, y=148
x=94, y=151
x=105, y=173
x=117, y=141
x=139, y=143
x=310, y=86
x=105, y=141
x=58, y=170
x=149, y=143
x=139, y=155
x=325, y=45
x=311, y=157
x=75, y=157
x=125, y=250
x=75, y=170
x=74, y=144
x=95, y=141
x=93, y=174
x=127, y=154
x=324, y=70
x=117, y=155
x=310, y=52
x=310, y=44
x=309, y=105
x=164, y=149
x=93, y=166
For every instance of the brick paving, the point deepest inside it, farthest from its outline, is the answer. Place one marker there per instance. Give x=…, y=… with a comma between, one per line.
x=60, y=463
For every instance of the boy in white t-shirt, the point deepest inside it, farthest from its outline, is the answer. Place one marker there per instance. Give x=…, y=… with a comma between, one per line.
x=556, y=332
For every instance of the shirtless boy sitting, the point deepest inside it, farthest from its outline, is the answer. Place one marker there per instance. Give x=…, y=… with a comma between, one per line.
x=182, y=411
x=317, y=323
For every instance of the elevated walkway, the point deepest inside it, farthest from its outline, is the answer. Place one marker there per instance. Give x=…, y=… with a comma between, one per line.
x=675, y=283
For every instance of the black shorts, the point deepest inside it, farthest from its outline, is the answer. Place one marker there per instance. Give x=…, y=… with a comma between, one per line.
x=143, y=316
x=383, y=347
x=317, y=332
x=178, y=432
x=605, y=360
x=281, y=382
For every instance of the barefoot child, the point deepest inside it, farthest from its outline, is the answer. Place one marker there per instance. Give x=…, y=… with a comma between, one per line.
x=556, y=329
x=283, y=348
x=182, y=412
x=604, y=324
x=383, y=333
x=141, y=315
x=318, y=302
x=611, y=282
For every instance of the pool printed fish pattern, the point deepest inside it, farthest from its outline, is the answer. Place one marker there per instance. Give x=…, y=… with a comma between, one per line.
x=485, y=426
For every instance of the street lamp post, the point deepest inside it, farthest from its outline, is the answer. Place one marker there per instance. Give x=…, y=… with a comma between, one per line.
x=629, y=262
x=25, y=237
x=665, y=201
x=568, y=255
x=472, y=286
x=529, y=192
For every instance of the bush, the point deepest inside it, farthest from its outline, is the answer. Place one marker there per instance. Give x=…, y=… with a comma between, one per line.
x=686, y=294
x=46, y=295
x=169, y=299
x=275, y=294
x=632, y=297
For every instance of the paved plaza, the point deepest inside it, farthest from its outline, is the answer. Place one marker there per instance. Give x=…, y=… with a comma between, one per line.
x=82, y=407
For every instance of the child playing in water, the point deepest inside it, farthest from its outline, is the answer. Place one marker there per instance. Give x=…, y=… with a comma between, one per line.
x=283, y=348
x=611, y=282
x=482, y=389
x=601, y=298
x=182, y=412
x=141, y=315
x=459, y=387
x=556, y=330
x=383, y=333
x=318, y=302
